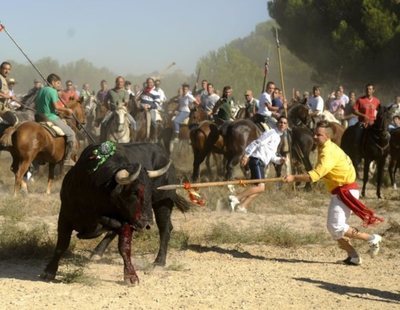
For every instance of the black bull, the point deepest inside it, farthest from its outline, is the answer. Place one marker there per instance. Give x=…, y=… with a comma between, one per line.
x=119, y=197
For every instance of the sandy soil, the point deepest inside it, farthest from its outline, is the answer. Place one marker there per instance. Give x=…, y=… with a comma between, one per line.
x=216, y=276
x=219, y=276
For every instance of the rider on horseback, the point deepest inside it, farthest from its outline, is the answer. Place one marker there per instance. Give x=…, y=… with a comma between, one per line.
x=47, y=109
x=223, y=108
x=366, y=108
x=185, y=101
x=264, y=114
x=5, y=94
x=116, y=96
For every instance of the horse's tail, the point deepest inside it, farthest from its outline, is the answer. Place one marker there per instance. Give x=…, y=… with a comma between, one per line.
x=6, y=139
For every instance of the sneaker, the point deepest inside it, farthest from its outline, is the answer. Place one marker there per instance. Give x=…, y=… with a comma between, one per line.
x=374, y=246
x=241, y=209
x=69, y=162
x=352, y=261
x=233, y=198
x=231, y=188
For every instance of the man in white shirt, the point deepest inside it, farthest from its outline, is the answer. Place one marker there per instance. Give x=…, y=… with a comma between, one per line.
x=344, y=97
x=184, y=108
x=163, y=97
x=258, y=154
x=316, y=103
x=208, y=101
x=264, y=114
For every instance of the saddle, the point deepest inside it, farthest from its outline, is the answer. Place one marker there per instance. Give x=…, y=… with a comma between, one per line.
x=54, y=130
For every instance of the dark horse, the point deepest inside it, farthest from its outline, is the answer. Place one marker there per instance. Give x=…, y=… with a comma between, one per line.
x=374, y=146
x=31, y=141
x=394, y=155
x=230, y=140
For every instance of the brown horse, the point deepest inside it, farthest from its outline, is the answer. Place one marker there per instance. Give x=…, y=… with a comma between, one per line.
x=31, y=141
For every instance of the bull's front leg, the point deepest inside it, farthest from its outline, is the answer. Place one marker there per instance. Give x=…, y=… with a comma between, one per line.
x=124, y=247
x=63, y=240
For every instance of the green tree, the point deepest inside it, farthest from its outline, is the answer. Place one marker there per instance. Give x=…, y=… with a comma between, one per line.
x=346, y=41
x=240, y=64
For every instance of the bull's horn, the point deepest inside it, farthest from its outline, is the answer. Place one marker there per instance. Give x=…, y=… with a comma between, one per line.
x=159, y=172
x=123, y=177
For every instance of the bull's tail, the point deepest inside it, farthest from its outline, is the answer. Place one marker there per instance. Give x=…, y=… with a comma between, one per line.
x=181, y=203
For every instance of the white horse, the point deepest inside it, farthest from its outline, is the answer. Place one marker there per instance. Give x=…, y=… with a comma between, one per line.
x=117, y=128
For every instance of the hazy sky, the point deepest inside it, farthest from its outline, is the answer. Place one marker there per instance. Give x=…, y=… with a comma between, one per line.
x=127, y=36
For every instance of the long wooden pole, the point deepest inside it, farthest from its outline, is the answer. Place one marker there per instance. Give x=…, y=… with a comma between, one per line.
x=281, y=69
x=220, y=183
x=266, y=69
x=2, y=27
x=289, y=157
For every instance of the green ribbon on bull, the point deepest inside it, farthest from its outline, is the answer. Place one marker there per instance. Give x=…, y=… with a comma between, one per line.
x=103, y=152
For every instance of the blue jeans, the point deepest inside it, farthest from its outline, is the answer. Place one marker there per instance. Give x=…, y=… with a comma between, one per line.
x=179, y=119
x=69, y=133
x=257, y=168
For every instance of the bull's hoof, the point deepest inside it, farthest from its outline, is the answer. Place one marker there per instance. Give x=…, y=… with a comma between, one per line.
x=47, y=276
x=95, y=257
x=160, y=263
x=131, y=279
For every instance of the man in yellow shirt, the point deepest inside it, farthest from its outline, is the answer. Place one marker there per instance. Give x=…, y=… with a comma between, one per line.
x=337, y=171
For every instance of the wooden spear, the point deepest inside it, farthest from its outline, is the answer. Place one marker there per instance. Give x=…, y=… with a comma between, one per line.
x=221, y=183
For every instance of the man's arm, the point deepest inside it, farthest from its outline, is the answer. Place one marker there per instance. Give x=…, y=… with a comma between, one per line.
x=297, y=178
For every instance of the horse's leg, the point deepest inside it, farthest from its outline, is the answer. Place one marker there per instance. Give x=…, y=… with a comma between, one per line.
x=229, y=167
x=392, y=171
x=50, y=178
x=367, y=162
x=19, y=175
x=197, y=160
x=380, y=165
x=208, y=165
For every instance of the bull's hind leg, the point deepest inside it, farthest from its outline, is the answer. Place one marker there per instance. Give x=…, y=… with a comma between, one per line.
x=64, y=231
x=162, y=212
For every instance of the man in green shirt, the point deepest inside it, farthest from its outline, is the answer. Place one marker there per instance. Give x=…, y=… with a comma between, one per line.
x=223, y=108
x=47, y=109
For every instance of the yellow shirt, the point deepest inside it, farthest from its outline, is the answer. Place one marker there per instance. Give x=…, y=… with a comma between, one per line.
x=333, y=166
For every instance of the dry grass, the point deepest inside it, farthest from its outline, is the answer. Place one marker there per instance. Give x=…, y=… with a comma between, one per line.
x=34, y=242
x=282, y=236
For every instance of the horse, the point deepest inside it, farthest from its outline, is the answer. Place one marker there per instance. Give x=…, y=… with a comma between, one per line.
x=298, y=114
x=374, y=146
x=117, y=128
x=237, y=136
x=92, y=110
x=394, y=155
x=30, y=141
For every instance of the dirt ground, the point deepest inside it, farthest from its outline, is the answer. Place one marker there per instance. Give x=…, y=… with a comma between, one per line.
x=209, y=275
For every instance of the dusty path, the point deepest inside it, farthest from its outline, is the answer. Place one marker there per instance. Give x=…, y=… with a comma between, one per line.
x=215, y=277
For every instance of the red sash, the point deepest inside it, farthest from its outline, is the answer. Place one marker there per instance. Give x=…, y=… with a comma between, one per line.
x=367, y=215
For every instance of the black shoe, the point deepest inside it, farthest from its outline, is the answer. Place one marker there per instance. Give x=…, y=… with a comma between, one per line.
x=352, y=261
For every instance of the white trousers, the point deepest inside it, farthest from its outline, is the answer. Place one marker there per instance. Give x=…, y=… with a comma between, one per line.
x=338, y=215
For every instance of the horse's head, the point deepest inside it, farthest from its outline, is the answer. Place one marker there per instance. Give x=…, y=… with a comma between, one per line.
x=299, y=115
x=78, y=111
x=382, y=120
x=121, y=118
x=196, y=116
